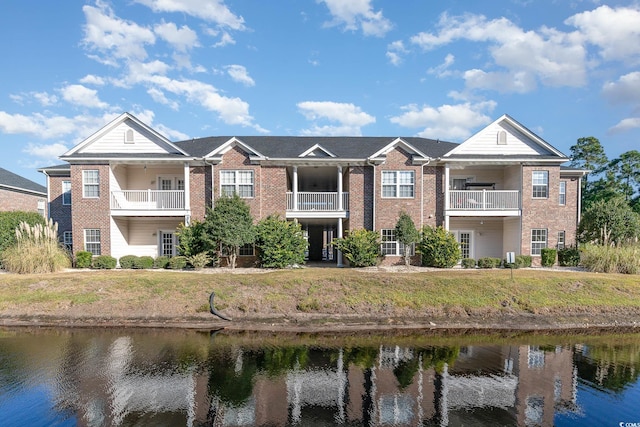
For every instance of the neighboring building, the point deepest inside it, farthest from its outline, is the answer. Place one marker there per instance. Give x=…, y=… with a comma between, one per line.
x=20, y=194
x=126, y=188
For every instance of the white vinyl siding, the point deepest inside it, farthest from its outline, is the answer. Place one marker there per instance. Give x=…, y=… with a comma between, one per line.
x=92, y=241
x=66, y=192
x=398, y=184
x=562, y=198
x=90, y=183
x=540, y=184
x=115, y=141
x=538, y=240
x=239, y=182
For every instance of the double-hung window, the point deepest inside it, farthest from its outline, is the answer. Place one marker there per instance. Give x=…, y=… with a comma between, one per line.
x=562, y=198
x=67, y=239
x=90, y=183
x=540, y=181
x=561, y=239
x=538, y=240
x=92, y=241
x=390, y=246
x=66, y=192
x=246, y=250
x=239, y=182
x=399, y=184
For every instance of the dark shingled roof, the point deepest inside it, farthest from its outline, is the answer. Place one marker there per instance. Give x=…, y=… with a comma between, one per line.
x=10, y=179
x=348, y=147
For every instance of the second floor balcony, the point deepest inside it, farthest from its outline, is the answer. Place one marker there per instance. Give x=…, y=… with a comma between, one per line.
x=317, y=202
x=500, y=201
x=147, y=201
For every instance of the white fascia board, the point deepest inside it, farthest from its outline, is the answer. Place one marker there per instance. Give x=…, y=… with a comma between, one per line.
x=314, y=148
x=229, y=144
x=23, y=190
x=395, y=143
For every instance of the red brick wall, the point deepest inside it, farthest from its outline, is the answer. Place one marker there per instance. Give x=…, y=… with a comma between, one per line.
x=199, y=189
x=359, y=184
x=57, y=211
x=91, y=212
x=236, y=159
x=11, y=200
x=273, y=190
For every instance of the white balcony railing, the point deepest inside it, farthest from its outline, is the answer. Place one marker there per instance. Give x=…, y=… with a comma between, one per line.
x=147, y=200
x=483, y=200
x=317, y=201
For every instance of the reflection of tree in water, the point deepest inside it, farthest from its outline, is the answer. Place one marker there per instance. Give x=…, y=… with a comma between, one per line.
x=435, y=357
x=607, y=367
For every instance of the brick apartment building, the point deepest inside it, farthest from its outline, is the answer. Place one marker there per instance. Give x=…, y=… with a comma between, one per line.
x=21, y=194
x=126, y=188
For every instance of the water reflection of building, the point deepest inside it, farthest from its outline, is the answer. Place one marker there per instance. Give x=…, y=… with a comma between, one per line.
x=495, y=385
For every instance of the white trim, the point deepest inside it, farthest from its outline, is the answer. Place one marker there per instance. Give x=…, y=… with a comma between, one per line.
x=397, y=184
x=68, y=192
x=222, y=149
x=314, y=148
x=394, y=144
x=84, y=194
x=174, y=242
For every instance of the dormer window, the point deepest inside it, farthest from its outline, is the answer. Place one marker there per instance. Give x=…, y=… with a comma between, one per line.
x=128, y=137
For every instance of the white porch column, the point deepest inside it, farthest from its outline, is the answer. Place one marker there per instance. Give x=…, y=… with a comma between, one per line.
x=187, y=194
x=446, y=197
x=340, y=207
x=295, y=188
x=339, y=260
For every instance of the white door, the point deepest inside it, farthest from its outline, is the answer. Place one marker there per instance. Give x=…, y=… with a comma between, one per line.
x=465, y=239
x=167, y=243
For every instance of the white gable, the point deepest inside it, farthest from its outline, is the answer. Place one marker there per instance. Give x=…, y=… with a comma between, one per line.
x=317, y=151
x=505, y=137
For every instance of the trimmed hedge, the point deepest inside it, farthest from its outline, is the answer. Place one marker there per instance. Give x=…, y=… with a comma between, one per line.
x=548, y=257
x=161, y=262
x=83, y=259
x=468, y=263
x=128, y=261
x=488, y=262
x=569, y=257
x=177, y=263
x=104, y=262
x=143, y=262
x=522, y=261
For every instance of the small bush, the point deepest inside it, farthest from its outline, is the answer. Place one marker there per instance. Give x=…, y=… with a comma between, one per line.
x=177, y=263
x=143, y=262
x=104, y=262
x=523, y=261
x=83, y=259
x=161, y=262
x=360, y=247
x=199, y=260
x=468, y=263
x=9, y=223
x=281, y=243
x=548, y=257
x=128, y=261
x=569, y=257
x=438, y=247
x=488, y=262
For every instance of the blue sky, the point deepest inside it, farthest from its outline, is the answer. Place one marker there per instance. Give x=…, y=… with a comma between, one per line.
x=194, y=68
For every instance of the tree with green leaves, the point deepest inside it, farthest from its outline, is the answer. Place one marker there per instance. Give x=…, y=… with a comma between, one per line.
x=609, y=222
x=626, y=170
x=439, y=248
x=588, y=154
x=281, y=243
x=407, y=234
x=360, y=247
x=229, y=225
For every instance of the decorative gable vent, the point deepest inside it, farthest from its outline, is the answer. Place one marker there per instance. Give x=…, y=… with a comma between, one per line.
x=128, y=137
x=502, y=137
x=317, y=151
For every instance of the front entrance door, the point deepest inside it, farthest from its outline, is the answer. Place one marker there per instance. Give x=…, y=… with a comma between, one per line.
x=465, y=239
x=167, y=244
x=316, y=242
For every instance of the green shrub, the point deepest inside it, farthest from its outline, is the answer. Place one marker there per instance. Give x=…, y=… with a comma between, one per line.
x=104, y=262
x=281, y=243
x=468, y=263
x=523, y=261
x=569, y=257
x=177, y=263
x=161, y=262
x=548, y=257
x=438, y=247
x=360, y=247
x=128, y=261
x=9, y=223
x=143, y=262
x=198, y=260
x=83, y=259
x=488, y=262
x=36, y=250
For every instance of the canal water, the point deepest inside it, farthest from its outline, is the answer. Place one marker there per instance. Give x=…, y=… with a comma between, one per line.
x=129, y=377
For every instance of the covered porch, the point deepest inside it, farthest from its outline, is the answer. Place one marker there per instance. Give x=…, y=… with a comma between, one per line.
x=481, y=237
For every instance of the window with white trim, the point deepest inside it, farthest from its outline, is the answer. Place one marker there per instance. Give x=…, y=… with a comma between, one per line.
x=390, y=246
x=398, y=184
x=90, y=183
x=67, y=240
x=562, y=191
x=239, y=182
x=92, y=241
x=540, y=181
x=246, y=250
x=561, y=239
x=538, y=240
x=66, y=192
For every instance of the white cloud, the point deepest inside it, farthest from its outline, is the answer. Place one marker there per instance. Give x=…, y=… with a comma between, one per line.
x=358, y=14
x=182, y=39
x=114, y=37
x=225, y=38
x=82, y=96
x=509, y=82
x=616, y=31
x=209, y=10
x=53, y=126
x=349, y=117
x=625, y=125
x=43, y=98
x=395, y=51
x=625, y=90
x=90, y=79
x=442, y=70
x=46, y=151
x=239, y=74
x=552, y=57
x=454, y=122
x=158, y=96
